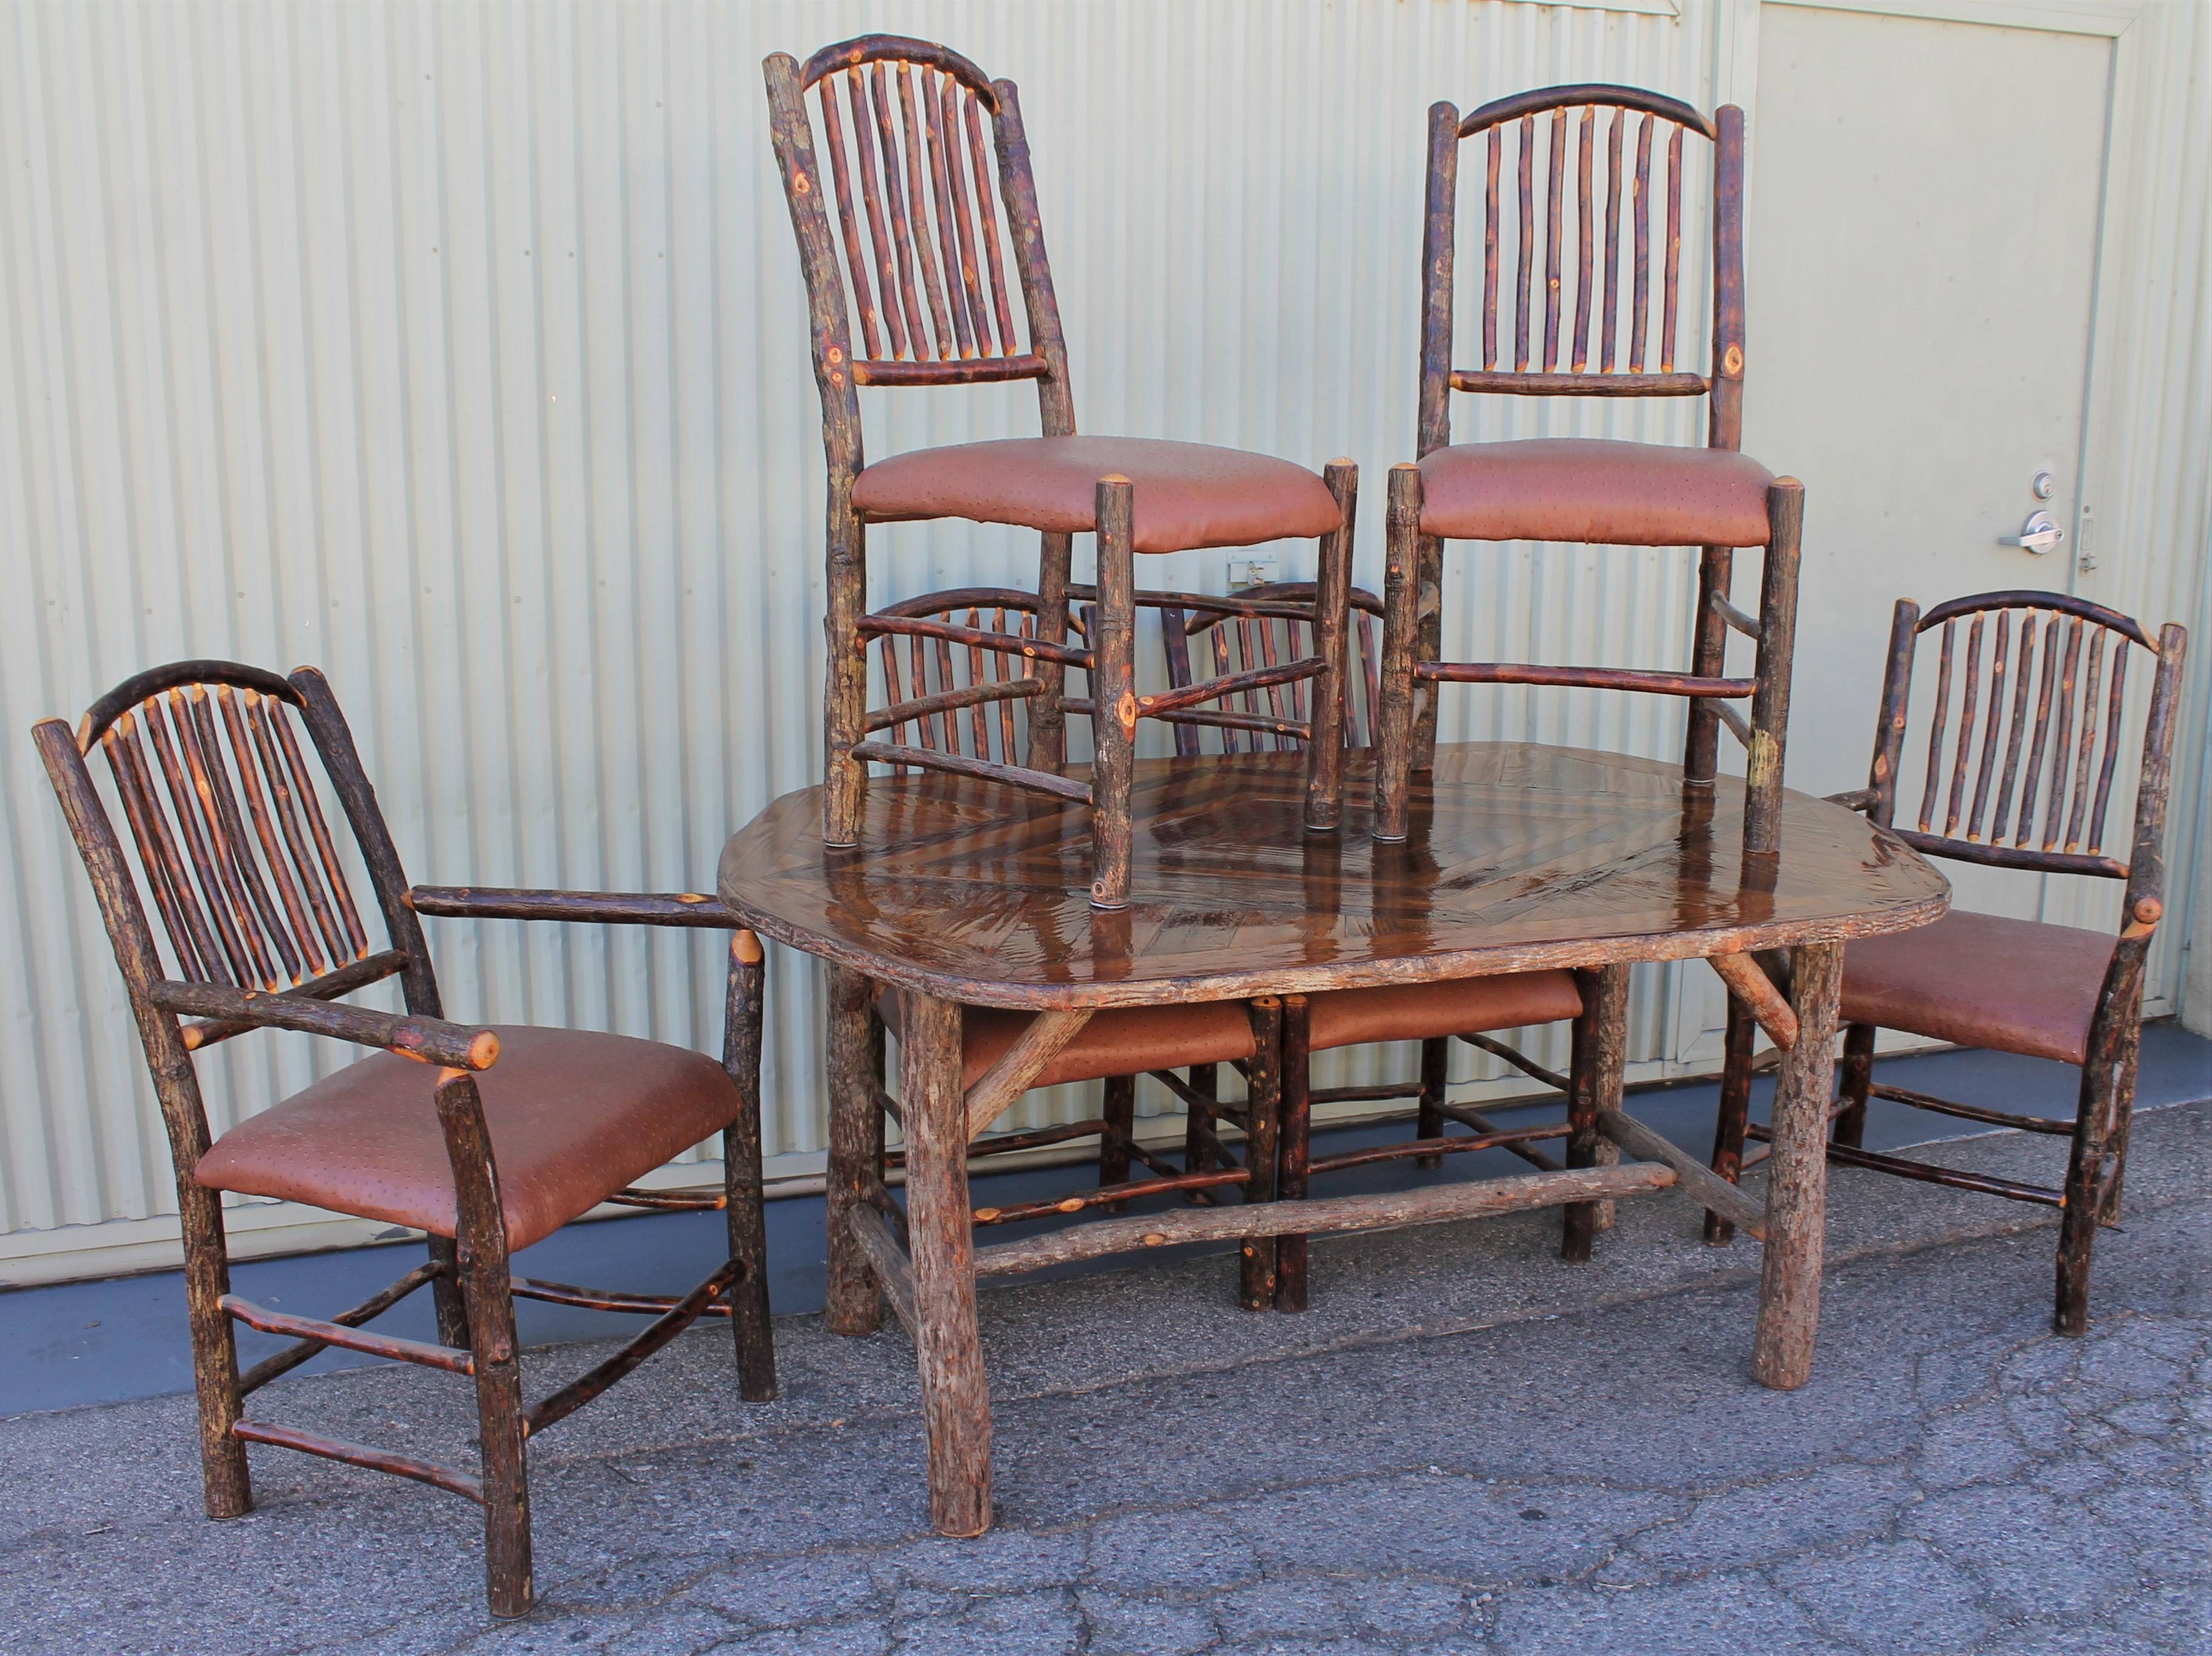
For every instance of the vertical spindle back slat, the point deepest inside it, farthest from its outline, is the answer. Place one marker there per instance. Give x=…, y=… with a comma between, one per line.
x=1976, y=813
x=1670, y=309
x=923, y=250
x=228, y=833
x=1640, y=209
x=1202, y=644
x=1968, y=704
x=914, y=667
x=1490, y=251
x=1621, y=332
x=1527, y=265
x=2051, y=650
x=1614, y=132
x=1938, y=727
x=1555, y=226
x=1579, y=359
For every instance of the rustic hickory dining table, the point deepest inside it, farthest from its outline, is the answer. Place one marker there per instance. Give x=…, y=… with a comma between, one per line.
x=1519, y=856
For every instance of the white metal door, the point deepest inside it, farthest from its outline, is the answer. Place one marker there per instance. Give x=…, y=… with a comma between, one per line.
x=1923, y=231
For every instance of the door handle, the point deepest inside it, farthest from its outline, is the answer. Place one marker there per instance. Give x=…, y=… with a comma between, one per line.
x=2041, y=535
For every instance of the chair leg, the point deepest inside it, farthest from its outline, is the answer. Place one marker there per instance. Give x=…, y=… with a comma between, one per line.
x=446, y=1294
x=1120, y=1113
x=1295, y=1157
x=488, y=1289
x=1048, y=743
x=1428, y=1119
x=2123, y=1112
x=1708, y=658
x=1428, y=603
x=1332, y=604
x=508, y=1584
x=2101, y=1127
x=1857, y=1081
x=1113, y=697
x=1394, y=717
x=1734, y=1113
x=227, y=1487
x=1777, y=641
x=845, y=693
x=741, y=1173
x=1197, y=1152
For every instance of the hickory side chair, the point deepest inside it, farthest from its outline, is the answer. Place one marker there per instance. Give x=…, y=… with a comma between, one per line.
x=1589, y=490
x=916, y=255
x=1115, y=1046
x=1199, y=635
x=487, y=1138
x=1618, y=343
x=1985, y=980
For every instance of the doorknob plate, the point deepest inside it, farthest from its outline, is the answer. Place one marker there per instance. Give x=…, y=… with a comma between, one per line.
x=2041, y=535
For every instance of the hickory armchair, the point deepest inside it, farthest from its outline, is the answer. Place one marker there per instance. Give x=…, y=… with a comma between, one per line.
x=487, y=1138
x=2027, y=681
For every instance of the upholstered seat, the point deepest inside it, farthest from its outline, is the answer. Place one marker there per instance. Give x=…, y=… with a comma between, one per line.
x=1118, y=1041
x=574, y=1116
x=1423, y=1011
x=1595, y=491
x=1187, y=494
x=1982, y=981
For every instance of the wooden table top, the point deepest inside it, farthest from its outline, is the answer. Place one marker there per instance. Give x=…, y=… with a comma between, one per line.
x=1520, y=856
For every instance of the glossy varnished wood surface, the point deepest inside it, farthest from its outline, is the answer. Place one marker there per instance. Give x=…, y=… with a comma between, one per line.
x=1519, y=856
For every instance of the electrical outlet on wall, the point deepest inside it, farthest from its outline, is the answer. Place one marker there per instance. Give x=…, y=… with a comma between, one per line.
x=1247, y=571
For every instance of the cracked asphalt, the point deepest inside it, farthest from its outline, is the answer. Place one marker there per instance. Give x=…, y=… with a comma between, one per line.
x=1466, y=1447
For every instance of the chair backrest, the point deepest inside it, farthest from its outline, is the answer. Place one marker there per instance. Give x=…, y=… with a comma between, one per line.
x=1601, y=330
x=914, y=667
x=228, y=831
x=917, y=253
x=2000, y=788
x=1203, y=643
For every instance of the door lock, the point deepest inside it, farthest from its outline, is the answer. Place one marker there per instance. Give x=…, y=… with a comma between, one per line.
x=2041, y=535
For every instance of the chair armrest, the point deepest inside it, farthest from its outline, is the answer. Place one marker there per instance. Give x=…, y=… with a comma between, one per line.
x=430, y=1040
x=598, y=907
x=1856, y=799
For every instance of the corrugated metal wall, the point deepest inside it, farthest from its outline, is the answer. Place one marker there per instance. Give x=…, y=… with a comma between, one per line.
x=461, y=350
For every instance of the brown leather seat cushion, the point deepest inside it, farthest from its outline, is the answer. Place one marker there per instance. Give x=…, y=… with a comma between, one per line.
x=1418, y=1012
x=1120, y=1041
x=574, y=1116
x=1982, y=981
x=1188, y=494
x=1596, y=491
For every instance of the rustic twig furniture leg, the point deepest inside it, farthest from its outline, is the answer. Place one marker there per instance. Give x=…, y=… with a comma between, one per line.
x=1797, y=1178
x=486, y=1289
x=1332, y=582
x=741, y=1173
x=1113, y=696
x=1262, y=1146
x=1599, y=1067
x=850, y=1303
x=1734, y=1110
x=1296, y=1154
x=956, y=1403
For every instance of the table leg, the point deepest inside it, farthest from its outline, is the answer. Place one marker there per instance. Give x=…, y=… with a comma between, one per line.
x=1599, y=1070
x=956, y=1403
x=852, y=1301
x=1797, y=1176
